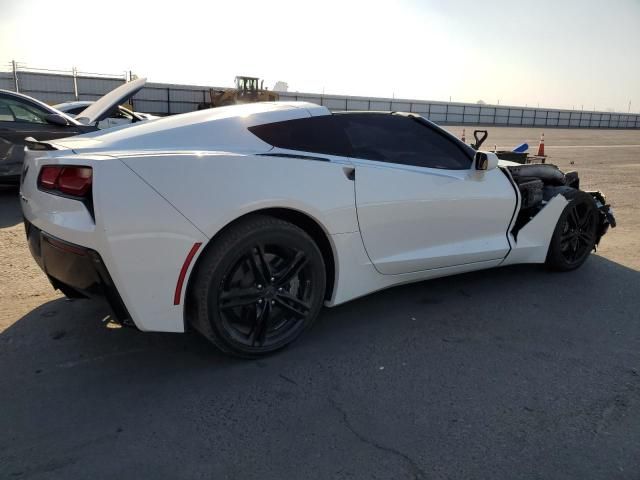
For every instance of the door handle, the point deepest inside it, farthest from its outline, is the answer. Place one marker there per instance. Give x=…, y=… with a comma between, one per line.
x=349, y=172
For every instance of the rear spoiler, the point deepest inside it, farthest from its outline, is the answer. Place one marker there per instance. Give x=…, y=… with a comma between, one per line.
x=33, y=144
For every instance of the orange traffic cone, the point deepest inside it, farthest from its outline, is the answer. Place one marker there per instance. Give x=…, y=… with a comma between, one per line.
x=464, y=139
x=541, y=146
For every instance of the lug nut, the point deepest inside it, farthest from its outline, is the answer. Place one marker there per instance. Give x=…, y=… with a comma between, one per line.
x=259, y=287
x=259, y=300
x=273, y=302
x=272, y=279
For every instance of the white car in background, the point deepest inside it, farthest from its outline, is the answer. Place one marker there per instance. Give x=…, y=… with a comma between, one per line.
x=119, y=116
x=242, y=221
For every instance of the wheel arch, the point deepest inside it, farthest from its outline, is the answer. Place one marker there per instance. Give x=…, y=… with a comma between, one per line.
x=303, y=220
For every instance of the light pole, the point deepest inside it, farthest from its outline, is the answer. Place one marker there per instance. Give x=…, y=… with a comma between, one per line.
x=14, y=65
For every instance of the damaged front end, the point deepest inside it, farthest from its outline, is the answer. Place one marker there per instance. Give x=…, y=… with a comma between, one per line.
x=539, y=183
x=605, y=212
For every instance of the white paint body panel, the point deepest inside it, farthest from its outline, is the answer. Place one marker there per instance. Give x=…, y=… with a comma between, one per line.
x=356, y=276
x=99, y=109
x=216, y=188
x=533, y=239
x=141, y=238
x=162, y=186
x=415, y=218
x=120, y=117
x=215, y=129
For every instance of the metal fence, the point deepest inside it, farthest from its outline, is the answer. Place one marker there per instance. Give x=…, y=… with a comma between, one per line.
x=474, y=114
x=53, y=87
x=168, y=99
x=57, y=86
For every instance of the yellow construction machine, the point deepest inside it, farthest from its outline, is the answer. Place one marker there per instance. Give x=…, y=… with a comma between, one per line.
x=247, y=90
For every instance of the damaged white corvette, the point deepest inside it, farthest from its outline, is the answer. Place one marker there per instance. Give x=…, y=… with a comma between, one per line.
x=241, y=222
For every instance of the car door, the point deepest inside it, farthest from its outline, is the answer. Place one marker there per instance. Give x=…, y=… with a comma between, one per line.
x=421, y=205
x=19, y=120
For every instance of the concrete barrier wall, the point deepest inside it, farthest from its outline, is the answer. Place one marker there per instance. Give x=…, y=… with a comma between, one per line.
x=169, y=99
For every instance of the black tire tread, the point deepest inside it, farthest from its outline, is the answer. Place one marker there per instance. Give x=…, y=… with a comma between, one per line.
x=554, y=260
x=214, y=255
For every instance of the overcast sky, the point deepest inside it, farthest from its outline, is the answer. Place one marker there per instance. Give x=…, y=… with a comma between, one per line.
x=558, y=53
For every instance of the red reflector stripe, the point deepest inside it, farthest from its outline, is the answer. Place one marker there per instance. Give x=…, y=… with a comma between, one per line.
x=183, y=272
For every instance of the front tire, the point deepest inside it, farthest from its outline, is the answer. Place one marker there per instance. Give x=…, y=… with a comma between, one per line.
x=259, y=286
x=575, y=234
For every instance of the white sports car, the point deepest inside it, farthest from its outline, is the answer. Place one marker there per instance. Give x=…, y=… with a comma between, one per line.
x=118, y=116
x=241, y=222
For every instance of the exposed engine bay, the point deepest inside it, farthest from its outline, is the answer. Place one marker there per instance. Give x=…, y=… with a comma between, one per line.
x=539, y=183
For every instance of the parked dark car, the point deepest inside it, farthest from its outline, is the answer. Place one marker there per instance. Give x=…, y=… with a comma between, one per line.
x=22, y=117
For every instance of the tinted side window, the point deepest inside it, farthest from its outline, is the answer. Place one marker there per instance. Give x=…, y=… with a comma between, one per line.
x=12, y=110
x=313, y=134
x=399, y=139
x=5, y=113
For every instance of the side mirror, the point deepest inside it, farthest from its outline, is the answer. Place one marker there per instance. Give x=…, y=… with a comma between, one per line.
x=56, y=119
x=485, y=161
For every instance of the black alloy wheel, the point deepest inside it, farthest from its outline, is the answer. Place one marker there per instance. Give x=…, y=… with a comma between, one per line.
x=265, y=296
x=575, y=234
x=578, y=233
x=259, y=286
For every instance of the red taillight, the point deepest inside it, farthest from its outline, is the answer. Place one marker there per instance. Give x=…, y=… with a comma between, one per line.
x=48, y=177
x=69, y=180
x=75, y=181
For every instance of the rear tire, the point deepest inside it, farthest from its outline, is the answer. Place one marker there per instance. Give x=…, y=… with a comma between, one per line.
x=575, y=234
x=258, y=287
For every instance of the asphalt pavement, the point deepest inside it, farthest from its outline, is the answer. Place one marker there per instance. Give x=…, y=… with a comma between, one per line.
x=511, y=373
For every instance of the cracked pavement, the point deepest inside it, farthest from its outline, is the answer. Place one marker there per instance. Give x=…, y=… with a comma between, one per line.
x=535, y=384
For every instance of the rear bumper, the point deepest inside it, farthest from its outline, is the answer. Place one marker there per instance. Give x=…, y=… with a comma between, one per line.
x=75, y=270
